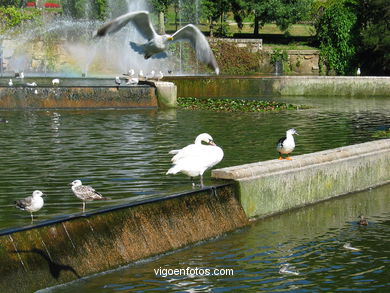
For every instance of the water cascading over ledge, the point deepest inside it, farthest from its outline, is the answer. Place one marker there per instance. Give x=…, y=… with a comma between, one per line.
x=57, y=251
x=85, y=93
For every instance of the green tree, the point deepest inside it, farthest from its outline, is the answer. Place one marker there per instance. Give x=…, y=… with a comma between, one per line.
x=11, y=17
x=374, y=49
x=282, y=12
x=216, y=11
x=337, y=34
x=161, y=6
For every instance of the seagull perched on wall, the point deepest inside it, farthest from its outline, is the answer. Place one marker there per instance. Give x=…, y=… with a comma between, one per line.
x=286, y=144
x=86, y=192
x=10, y=83
x=156, y=44
x=159, y=75
x=55, y=81
x=194, y=159
x=32, y=203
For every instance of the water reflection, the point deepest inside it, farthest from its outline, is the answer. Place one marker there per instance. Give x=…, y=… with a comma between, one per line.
x=124, y=153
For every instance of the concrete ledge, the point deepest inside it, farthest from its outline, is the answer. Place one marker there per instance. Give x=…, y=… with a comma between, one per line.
x=312, y=86
x=58, y=251
x=76, y=93
x=274, y=186
x=166, y=94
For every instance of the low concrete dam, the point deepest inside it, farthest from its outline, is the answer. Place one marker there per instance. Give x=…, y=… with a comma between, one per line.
x=61, y=250
x=85, y=93
x=255, y=86
x=271, y=187
x=68, y=248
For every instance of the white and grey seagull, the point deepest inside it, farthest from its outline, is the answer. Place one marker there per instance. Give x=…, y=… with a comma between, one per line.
x=157, y=44
x=86, y=192
x=32, y=203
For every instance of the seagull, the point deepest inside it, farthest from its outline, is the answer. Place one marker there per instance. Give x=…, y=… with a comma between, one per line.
x=362, y=221
x=3, y=120
x=286, y=144
x=85, y=192
x=32, y=84
x=156, y=44
x=348, y=246
x=285, y=270
x=117, y=82
x=19, y=75
x=133, y=81
x=194, y=159
x=36, y=91
x=31, y=203
x=55, y=81
x=141, y=75
x=160, y=75
x=10, y=83
x=150, y=75
x=358, y=71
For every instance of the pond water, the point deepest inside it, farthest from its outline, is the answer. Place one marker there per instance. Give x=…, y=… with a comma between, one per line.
x=124, y=153
x=309, y=241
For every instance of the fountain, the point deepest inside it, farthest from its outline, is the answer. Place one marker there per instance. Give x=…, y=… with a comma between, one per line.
x=64, y=46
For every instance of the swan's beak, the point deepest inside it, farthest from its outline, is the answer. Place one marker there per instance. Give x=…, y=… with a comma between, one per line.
x=212, y=142
x=170, y=38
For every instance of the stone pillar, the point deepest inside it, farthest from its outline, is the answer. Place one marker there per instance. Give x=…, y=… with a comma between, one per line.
x=166, y=94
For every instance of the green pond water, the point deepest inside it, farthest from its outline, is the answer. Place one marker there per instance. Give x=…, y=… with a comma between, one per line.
x=124, y=154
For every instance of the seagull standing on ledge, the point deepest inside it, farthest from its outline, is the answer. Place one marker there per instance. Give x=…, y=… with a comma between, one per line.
x=32, y=203
x=85, y=192
x=10, y=83
x=156, y=44
x=286, y=144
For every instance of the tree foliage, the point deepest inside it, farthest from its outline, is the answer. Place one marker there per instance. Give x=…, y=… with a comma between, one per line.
x=336, y=35
x=374, y=51
x=282, y=12
x=11, y=17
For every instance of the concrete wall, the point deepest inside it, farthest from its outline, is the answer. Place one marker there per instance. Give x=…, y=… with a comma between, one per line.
x=235, y=86
x=58, y=251
x=275, y=186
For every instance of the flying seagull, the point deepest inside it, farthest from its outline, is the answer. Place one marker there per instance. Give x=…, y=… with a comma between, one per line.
x=158, y=44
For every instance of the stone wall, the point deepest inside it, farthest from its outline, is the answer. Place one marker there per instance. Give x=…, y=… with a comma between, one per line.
x=275, y=186
x=58, y=251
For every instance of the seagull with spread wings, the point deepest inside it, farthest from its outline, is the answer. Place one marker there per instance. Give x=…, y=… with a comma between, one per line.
x=156, y=44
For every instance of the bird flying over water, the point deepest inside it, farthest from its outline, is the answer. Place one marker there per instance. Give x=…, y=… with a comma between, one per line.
x=156, y=44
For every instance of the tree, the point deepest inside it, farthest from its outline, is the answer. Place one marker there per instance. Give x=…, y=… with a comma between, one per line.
x=161, y=6
x=337, y=35
x=282, y=12
x=374, y=48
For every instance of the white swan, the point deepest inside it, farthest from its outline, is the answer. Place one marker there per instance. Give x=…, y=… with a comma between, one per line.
x=194, y=159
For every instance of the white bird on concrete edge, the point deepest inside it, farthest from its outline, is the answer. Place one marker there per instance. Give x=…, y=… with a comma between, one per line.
x=55, y=81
